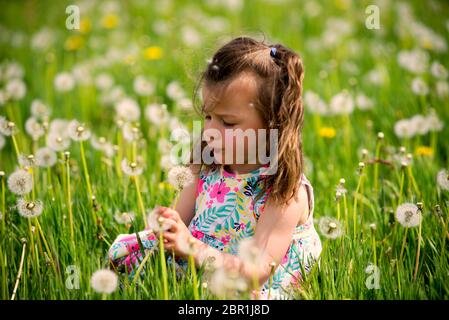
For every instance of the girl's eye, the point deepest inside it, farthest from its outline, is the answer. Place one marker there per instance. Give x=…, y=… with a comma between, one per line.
x=226, y=124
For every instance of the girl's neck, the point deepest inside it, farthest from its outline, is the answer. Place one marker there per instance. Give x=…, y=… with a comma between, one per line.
x=241, y=168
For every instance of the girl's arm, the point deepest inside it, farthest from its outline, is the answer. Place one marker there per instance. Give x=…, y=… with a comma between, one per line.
x=273, y=235
x=187, y=197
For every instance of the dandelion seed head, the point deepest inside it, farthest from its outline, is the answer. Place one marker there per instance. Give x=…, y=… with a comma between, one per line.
x=45, y=157
x=27, y=160
x=64, y=82
x=104, y=281
x=127, y=109
x=227, y=284
x=7, y=128
x=20, y=182
x=180, y=176
x=39, y=110
x=124, y=217
x=330, y=227
x=57, y=143
x=29, y=209
x=443, y=179
x=408, y=215
x=131, y=168
x=34, y=128
x=77, y=131
x=155, y=223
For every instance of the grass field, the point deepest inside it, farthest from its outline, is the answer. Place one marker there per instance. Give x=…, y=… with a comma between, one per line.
x=376, y=96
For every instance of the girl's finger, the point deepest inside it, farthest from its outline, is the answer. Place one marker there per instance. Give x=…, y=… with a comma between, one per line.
x=169, y=236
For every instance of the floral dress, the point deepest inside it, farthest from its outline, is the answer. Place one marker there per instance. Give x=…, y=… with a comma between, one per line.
x=225, y=213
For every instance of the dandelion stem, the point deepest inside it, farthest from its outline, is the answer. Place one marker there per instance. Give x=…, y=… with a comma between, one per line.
x=418, y=251
x=139, y=198
x=16, y=147
x=403, y=245
x=401, y=187
x=374, y=248
x=50, y=256
x=69, y=201
x=345, y=207
x=195, y=280
x=338, y=210
x=354, y=216
x=20, y=272
x=376, y=164
x=139, y=270
x=87, y=178
x=163, y=264
x=412, y=178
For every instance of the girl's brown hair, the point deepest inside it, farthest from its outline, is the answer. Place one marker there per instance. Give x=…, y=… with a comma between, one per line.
x=280, y=74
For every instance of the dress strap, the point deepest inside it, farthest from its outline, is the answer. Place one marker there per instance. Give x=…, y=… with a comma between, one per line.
x=310, y=194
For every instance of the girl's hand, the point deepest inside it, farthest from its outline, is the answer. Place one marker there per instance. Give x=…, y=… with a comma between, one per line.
x=177, y=237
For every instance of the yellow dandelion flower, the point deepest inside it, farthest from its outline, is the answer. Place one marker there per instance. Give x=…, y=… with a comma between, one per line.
x=85, y=25
x=110, y=21
x=153, y=53
x=327, y=132
x=424, y=151
x=74, y=43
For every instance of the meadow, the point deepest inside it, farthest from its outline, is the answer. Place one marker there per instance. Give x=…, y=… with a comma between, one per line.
x=87, y=112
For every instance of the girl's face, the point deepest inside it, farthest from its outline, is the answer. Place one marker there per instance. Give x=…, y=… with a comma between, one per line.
x=231, y=120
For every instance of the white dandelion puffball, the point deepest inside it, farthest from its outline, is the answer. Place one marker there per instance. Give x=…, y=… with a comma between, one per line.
x=7, y=128
x=363, y=102
x=77, y=131
x=64, y=82
x=314, y=103
x=39, y=109
x=127, y=109
x=408, y=215
x=174, y=91
x=131, y=168
x=416, y=61
x=438, y=70
x=104, y=281
x=404, y=129
x=57, y=143
x=156, y=224
x=20, y=182
x=434, y=123
x=443, y=179
x=180, y=176
x=59, y=127
x=330, y=227
x=27, y=160
x=211, y=259
x=104, y=81
x=227, y=284
x=420, y=124
x=124, y=217
x=16, y=89
x=186, y=245
x=29, y=209
x=342, y=103
x=250, y=254
x=34, y=128
x=143, y=87
x=45, y=157
x=419, y=87
x=156, y=113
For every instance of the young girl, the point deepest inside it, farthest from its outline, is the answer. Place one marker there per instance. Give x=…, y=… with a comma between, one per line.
x=248, y=85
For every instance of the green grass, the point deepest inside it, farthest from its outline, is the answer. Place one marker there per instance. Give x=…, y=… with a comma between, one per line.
x=341, y=273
